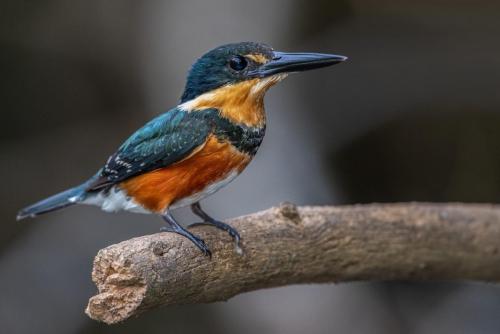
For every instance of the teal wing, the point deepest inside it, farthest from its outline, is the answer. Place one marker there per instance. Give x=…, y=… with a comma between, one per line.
x=163, y=141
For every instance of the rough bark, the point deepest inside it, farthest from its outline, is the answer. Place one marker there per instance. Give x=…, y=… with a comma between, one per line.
x=291, y=245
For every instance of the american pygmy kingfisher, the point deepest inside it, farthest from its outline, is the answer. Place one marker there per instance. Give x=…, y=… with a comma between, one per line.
x=194, y=149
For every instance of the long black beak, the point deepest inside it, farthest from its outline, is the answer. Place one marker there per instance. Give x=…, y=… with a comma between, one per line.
x=296, y=62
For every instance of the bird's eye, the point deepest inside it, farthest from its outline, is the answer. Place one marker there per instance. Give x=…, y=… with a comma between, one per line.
x=238, y=63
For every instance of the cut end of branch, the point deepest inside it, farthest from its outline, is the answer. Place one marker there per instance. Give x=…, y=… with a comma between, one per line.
x=121, y=292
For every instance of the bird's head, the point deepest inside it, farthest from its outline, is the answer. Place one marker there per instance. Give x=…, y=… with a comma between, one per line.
x=233, y=79
x=255, y=64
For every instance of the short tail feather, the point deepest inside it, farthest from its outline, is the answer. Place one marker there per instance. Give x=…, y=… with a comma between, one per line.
x=56, y=202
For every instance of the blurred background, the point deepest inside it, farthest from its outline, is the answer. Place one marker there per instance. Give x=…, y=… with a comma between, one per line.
x=413, y=115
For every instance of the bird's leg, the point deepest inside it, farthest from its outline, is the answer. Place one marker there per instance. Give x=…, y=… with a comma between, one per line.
x=173, y=226
x=207, y=220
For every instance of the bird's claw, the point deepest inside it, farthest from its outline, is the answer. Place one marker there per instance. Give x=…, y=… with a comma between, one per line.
x=225, y=227
x=198, y=242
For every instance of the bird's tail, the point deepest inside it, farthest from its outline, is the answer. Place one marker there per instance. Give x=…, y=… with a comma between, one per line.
x=55, y=202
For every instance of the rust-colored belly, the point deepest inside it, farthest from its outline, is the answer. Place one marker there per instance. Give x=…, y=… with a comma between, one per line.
x=158, y=189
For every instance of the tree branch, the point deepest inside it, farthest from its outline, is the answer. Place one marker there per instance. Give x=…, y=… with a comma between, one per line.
x=290, y=245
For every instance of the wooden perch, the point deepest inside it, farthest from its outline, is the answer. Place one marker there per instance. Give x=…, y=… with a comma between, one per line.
x=291, y=245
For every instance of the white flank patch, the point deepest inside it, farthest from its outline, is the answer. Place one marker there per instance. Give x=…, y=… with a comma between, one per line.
x=114, y=200
x=209, y=190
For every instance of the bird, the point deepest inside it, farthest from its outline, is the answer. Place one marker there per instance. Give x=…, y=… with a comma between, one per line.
x=194, y=149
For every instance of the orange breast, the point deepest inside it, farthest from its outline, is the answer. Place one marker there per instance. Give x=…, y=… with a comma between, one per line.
x=158, y=189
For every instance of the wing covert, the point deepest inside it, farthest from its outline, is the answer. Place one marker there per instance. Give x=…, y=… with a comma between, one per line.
x=163, y=141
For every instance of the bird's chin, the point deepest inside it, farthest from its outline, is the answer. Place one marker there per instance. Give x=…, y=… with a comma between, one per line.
x=263, y=84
